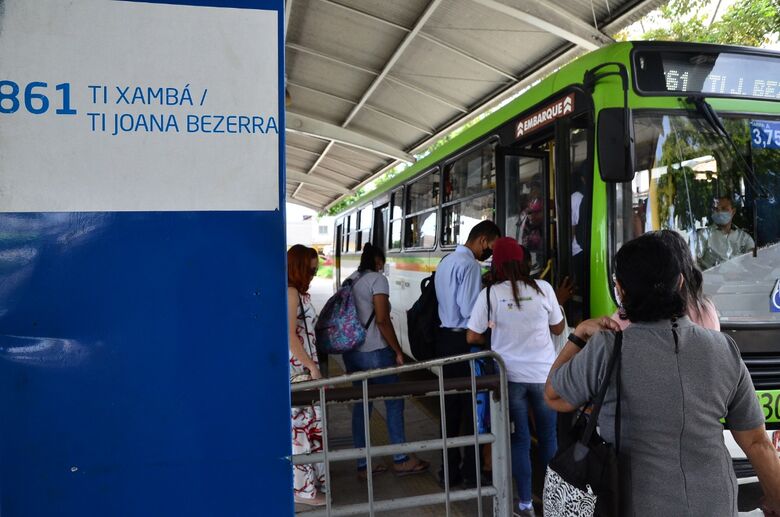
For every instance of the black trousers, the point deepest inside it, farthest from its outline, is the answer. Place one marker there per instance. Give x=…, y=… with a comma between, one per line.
x=459, y=420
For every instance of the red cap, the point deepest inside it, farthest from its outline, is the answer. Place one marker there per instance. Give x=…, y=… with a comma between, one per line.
x=506, y=249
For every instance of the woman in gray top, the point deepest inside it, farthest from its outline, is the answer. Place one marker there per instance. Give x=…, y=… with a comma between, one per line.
x=678, y=380
x=371, y=290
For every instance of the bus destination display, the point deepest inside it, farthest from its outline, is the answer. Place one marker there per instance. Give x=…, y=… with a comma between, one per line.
x=716, y=74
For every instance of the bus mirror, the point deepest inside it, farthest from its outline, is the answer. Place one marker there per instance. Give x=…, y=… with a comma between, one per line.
x=616, y=145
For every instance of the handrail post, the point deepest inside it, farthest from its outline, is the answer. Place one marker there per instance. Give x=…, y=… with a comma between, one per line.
x=501, y=453
x=445, y=457
x=367, y=431
x=475, y=420
x=324, y=415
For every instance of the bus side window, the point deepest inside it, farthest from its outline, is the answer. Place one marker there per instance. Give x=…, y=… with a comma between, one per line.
x=422, y=202
x=364, y=232
x=396, y=220
x=469, y=196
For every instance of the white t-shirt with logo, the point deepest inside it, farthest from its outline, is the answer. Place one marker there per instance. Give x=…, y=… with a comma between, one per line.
x=521, y=335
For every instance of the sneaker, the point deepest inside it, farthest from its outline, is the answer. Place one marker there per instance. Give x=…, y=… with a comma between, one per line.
x=524, y=513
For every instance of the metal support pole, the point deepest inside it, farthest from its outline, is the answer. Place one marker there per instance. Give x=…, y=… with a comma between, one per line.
x=501, y=452
x=445, y=461
x=324, y=413
x=367, y=431
x=475, y=420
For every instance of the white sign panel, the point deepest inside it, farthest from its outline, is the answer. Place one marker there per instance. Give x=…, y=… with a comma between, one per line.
x=123, y=106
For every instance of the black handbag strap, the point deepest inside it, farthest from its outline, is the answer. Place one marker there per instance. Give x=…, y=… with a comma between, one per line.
x=598, y=402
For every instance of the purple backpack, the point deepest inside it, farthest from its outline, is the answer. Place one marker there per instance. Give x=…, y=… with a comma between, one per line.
x=339, y=328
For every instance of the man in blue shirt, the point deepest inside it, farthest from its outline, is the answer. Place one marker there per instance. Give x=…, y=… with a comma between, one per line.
x=458, y=281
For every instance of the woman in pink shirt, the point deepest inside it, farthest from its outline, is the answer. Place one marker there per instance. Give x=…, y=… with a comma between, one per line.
x=701, y=311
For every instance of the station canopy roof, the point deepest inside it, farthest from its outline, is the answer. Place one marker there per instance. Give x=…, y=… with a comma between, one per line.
x=372, y=82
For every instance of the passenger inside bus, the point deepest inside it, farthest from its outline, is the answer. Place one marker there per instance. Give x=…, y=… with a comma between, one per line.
x=529, y=224
x=721, y=240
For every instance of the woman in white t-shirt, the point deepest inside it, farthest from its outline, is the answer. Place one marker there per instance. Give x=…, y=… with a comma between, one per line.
x=523, y=312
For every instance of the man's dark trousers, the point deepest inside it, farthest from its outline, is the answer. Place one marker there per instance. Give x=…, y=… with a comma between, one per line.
x=460, y=419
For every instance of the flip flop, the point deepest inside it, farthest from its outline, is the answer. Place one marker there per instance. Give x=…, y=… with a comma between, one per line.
x=417, y=466
x=375, y=471
x=318, y=500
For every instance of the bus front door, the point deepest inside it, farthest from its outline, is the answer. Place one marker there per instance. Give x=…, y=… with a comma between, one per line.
x=528, y=210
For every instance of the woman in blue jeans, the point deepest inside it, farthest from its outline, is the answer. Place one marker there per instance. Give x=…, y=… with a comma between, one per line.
x=371, y=292
x=523, y=312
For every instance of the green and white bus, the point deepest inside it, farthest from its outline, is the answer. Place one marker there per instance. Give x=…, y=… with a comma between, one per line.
x=630, y=138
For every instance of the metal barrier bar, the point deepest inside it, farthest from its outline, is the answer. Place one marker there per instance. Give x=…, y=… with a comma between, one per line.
x=500, y=491
x=394, y=370
x=407, y=389
x=475, y=422
x=406, y=502
x=367, y=431
x=387, y=450
x=325, y=459
x=501, y=453
x=445, y=456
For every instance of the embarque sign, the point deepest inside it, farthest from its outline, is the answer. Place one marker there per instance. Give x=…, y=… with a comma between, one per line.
x=545, y=116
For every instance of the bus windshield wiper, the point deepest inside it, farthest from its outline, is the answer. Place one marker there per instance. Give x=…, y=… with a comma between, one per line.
x=709, y=114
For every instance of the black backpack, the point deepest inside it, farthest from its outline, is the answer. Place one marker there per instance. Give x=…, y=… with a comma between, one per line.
x=422, y=320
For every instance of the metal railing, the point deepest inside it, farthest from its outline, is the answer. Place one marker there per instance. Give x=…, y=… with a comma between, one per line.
x=500, y=490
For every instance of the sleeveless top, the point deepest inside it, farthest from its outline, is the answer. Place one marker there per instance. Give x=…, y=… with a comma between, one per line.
x=304, y=331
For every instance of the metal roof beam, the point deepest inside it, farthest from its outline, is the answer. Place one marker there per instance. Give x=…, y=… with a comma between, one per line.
x=447, y=102
x=371, y=107
x=337, y=160
x=470, y=57
x=433, y=96
x=315, y=181
x=298, y=123
x=568, y=28
x=393, y=59
x=300, y=202
x=424, y=35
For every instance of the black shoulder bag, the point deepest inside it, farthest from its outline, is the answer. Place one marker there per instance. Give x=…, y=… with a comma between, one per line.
x=582, y=478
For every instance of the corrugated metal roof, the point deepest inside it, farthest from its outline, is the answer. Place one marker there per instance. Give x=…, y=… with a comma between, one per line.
x=377, y=80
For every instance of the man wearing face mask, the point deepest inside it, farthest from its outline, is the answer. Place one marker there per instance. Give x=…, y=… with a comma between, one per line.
x=458, y=282
x=722, y=240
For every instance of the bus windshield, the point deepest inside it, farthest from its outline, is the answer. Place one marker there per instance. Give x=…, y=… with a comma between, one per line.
x=691, y=180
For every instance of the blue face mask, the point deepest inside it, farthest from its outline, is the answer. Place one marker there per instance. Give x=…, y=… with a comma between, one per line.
x=721, y=218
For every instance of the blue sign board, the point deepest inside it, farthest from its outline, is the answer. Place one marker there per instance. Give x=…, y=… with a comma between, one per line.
x=774, y=298
x=143, y=346
x=765, y=134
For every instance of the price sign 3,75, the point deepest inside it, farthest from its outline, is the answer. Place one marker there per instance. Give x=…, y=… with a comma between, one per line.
x=765, y=134
x=35, y=97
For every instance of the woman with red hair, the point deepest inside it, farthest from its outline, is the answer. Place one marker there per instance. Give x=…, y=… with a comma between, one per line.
x=308, y=479
x=522, y=313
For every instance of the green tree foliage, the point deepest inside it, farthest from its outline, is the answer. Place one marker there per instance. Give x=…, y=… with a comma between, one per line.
x=753, y=23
